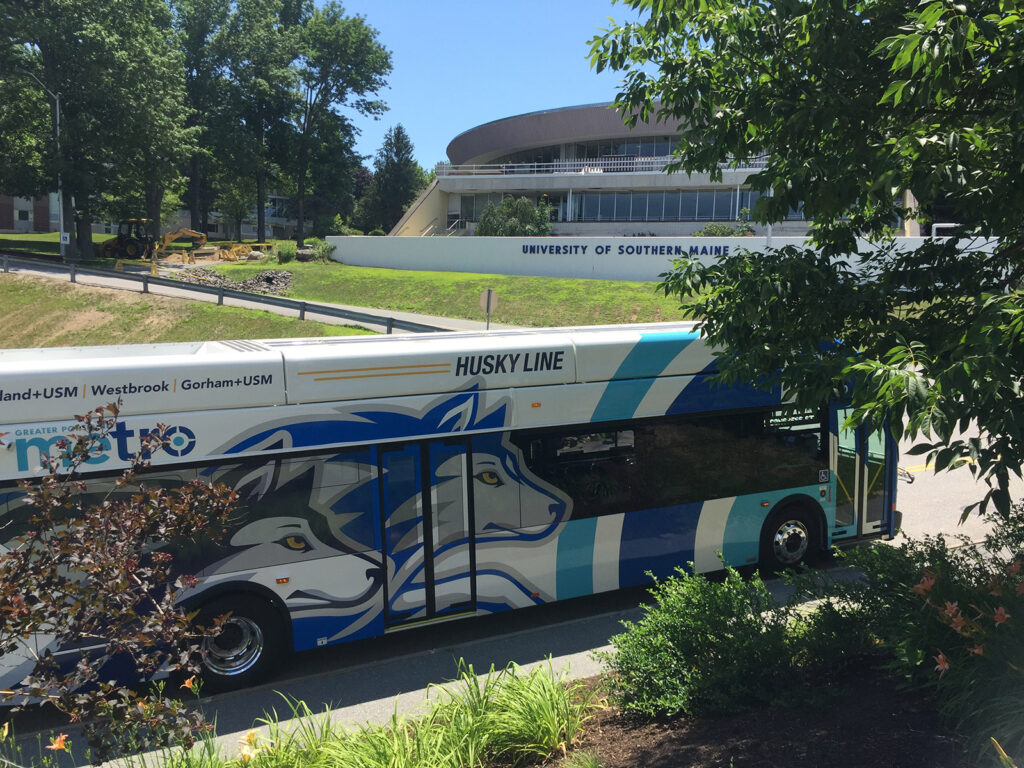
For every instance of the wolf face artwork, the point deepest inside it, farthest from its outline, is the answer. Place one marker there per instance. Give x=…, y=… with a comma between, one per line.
x=353, y=530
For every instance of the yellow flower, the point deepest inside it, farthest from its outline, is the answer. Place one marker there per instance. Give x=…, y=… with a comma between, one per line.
x=247, y=753
x=5, y=731
x=250, y=739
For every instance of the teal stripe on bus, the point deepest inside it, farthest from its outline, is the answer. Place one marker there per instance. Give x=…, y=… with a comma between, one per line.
x=635, y=376
x=575, y=565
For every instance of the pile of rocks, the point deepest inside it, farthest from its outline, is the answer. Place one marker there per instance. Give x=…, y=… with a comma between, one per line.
x=269, y=281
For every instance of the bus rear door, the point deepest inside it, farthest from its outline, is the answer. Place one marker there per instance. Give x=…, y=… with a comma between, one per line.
x=865, y=480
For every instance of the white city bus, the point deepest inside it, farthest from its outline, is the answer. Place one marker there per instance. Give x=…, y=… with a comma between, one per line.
x=386, y=482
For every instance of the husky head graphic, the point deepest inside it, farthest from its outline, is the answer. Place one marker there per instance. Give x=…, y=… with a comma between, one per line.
x=306, y=510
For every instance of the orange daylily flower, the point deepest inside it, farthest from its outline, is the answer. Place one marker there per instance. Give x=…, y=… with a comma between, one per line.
x=951, y=609
x=926, y=583
x=1000, y=616
x=942, y=664
x=978, y=650
x=190, y=684
x=58, y=744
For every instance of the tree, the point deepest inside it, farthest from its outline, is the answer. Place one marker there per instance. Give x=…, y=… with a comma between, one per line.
x=515, y=217
x=119, y=79
x=98, y=572
x=264, y=37
x=918, y=106
x=397, y=179
x=341, y=63
x=201, y=27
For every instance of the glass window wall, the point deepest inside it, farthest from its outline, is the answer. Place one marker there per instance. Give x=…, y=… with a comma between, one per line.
x=672, y=205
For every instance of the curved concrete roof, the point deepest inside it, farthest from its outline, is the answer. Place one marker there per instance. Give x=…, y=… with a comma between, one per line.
x=486, y=142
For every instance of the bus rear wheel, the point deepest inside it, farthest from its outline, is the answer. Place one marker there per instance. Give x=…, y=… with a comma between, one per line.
x=247, y=648
x=789, y=537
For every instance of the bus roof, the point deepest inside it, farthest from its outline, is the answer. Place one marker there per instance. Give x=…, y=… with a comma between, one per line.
x=55, y=384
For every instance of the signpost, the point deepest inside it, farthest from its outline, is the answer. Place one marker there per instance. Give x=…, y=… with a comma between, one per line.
x=488, y=303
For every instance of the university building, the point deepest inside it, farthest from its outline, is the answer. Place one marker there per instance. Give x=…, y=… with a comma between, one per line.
x=602, y=179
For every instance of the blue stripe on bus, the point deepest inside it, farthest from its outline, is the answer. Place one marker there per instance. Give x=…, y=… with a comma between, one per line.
x=575, y=565
x=704, y=395
x=631, y=382
x=656, y=540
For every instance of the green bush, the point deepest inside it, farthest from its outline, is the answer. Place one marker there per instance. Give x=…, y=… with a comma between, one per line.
x=322, y=251
x=285, y=252
x=377, y=232
x=703, y=647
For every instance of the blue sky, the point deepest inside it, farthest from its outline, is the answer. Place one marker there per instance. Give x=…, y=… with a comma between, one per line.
x=460, y=63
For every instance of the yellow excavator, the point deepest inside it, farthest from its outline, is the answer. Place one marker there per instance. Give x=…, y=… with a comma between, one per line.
x=136, y=239
x=200, y=248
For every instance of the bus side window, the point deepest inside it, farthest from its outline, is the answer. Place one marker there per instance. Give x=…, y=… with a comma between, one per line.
x=594, y=468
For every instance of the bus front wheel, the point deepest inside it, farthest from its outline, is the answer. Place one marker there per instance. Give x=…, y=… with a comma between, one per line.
x=249, y=645
x=789, y=538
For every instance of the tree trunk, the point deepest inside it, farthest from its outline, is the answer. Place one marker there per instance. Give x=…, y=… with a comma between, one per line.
x=71, y=249
x=154, y=202
x=83, y=233
x=261, y=209
x=195, y=186
x=300, y=229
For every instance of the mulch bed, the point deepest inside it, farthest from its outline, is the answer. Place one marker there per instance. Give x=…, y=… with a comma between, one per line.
x=272, y=281
x=864, y=721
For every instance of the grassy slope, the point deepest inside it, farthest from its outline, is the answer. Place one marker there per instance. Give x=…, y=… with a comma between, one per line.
x=47, y=313
x=528, y=301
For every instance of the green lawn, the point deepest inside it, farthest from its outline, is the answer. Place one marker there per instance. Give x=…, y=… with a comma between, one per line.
x=47, y=313
x=32, y=243
x=527, y=301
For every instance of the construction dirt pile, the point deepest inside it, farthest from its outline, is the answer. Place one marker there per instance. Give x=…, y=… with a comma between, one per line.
x=271, y=281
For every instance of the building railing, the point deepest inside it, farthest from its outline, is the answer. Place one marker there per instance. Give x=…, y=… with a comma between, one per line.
x=609, y=164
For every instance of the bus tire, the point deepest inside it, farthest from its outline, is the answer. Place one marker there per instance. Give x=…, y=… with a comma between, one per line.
x=790, y=536
x=248, y=647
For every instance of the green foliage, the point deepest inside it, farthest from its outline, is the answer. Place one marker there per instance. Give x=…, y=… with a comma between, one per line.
x=515, y=217
x=285, y=252
x=121, y=84
x=535, y=714
x=341, y=64
x=322, y=251
x=914, y=113
x=94, y=566
x=945, y=617
x=397, y=180
x=333, y=225
x=703, y=647
x=377, y=233
x=717, y=229
x=505, y=717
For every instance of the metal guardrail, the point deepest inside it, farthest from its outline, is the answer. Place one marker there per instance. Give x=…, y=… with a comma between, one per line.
x=302, y=307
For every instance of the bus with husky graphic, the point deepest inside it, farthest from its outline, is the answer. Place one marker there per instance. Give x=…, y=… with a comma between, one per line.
x=387, y=482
